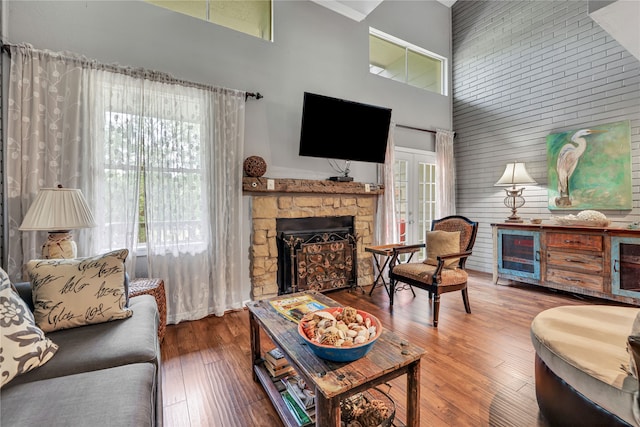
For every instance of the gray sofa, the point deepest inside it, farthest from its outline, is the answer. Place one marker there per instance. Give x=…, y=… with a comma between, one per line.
x=107, y=374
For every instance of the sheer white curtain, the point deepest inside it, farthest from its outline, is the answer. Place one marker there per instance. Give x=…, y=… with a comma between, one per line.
x=445, y=174
x=193, y=182
x=45, y=142
x=386, y=228
x=159, y=161
x=225, y=174
x=114, y=122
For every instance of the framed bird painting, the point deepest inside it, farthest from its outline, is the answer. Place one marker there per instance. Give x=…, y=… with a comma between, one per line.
x=590, y=168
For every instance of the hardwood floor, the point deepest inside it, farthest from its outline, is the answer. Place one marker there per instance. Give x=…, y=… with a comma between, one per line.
x=478, y=370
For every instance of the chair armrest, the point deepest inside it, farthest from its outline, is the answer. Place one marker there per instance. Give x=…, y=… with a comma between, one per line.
x=465, y=254
x=441, y=259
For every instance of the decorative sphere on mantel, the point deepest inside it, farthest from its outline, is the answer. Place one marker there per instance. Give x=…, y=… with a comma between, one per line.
x=255, y=166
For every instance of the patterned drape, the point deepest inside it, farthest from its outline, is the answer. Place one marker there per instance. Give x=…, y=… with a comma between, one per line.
x=135, y=141
x=44, y=141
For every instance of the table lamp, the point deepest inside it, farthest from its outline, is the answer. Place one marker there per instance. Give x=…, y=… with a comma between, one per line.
x=514, y=174
x=58, y=210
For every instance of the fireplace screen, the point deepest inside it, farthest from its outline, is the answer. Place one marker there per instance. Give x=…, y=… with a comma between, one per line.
x=325, y=265
x=316, y=253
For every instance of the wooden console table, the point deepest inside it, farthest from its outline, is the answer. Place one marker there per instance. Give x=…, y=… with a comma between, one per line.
x=389, y=358
x=600, y=262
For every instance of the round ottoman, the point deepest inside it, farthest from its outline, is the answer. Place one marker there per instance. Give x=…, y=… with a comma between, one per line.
x=582, y=365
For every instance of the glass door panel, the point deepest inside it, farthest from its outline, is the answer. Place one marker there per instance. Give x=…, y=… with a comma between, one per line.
x=401, y=197
x=415, y=198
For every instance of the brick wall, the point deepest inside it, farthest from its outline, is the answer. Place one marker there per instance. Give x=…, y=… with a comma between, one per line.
x=523, y=70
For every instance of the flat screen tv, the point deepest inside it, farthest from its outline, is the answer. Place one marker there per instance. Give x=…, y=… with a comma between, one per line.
x=335, y=128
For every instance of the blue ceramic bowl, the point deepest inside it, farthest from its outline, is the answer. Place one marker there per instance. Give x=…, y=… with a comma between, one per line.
x=342, y=354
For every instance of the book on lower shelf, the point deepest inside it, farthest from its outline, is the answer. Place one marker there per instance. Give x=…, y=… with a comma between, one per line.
x=301, y=392
x=278, y=372
x=275, y=356
x=299, y=414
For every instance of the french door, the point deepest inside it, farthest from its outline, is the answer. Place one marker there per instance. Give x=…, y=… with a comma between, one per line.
x=415, y=194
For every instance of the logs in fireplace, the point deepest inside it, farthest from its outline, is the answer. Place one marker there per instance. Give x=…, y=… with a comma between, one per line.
x=316, y=253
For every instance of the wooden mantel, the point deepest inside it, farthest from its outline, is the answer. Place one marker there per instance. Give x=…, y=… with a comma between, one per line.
x=280, y=185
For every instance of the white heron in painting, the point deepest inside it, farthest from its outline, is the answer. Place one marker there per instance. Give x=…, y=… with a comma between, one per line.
x=568, y=158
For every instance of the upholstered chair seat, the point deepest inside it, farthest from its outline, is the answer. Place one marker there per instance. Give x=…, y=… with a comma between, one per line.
x=424, y=273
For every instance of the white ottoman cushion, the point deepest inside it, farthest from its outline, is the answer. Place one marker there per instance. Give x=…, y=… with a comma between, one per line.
x=586, y=346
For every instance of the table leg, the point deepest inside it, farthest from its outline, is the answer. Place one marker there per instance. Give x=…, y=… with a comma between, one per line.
x=380, y=275
x=413, y=394
x=327, y=411
x=256, y=355
x=375, y=281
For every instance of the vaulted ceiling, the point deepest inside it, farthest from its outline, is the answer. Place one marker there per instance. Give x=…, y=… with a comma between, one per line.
x=359, y=9
x=618, y=18
x=621, y=19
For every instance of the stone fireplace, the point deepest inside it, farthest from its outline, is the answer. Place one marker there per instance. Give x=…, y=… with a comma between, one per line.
x=306, y=199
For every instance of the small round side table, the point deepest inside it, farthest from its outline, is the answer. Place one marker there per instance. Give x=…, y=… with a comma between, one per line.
x=155, y=288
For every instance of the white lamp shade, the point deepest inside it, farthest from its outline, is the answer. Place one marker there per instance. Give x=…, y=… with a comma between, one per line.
x=58, y=209
x=515, y=173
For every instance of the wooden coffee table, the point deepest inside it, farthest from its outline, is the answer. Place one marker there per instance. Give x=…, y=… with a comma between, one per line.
x=390, y=357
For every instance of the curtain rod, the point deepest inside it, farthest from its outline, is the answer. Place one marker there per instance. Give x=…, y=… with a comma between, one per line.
x=415, y=128
x=257, y=95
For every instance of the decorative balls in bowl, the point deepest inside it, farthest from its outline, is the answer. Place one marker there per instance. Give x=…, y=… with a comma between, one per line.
x=340, y=334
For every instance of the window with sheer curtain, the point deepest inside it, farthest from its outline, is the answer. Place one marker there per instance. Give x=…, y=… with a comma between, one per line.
x=159, y=161
x=155, y=153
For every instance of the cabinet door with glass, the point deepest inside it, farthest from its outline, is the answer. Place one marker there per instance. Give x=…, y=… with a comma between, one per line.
x=625, y=266
x=519, y=253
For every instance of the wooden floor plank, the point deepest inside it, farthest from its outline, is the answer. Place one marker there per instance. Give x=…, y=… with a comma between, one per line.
x=177, y=415
x=478, y=370
x=172, y=385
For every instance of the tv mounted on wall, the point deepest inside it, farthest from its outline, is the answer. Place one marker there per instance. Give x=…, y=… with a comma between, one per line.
x=336, y=128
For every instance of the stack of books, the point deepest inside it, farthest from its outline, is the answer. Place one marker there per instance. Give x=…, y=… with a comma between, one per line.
x=300, y=399
x=277, y=365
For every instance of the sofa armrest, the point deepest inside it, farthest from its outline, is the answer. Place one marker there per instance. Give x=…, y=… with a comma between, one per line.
x=24, y=290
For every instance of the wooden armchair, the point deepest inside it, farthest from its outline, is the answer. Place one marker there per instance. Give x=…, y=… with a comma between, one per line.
x=440, y=272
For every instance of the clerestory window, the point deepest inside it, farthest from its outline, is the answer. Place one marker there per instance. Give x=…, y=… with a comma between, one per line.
x=253, y=17
x=399, y=60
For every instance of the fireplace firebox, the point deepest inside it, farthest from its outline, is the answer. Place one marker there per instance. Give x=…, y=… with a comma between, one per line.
x=316, y=253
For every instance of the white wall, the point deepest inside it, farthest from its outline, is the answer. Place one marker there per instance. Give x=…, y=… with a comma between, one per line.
x=314, y=49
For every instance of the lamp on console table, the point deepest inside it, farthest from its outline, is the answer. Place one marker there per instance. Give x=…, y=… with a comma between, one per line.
x=58, y=210
x=514, y=174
